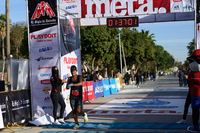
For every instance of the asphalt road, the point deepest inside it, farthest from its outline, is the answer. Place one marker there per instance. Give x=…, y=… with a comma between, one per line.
x=165, y=87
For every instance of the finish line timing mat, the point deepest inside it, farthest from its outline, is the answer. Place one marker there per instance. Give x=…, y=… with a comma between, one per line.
x=141, y=107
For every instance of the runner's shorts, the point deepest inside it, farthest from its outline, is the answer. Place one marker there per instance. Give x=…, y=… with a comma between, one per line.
x=195, y=102
x=77, y=103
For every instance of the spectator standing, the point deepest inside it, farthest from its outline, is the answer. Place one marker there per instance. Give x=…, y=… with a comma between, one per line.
x=141, y=77
x=151, y=75
x=127, y=78
x=137, y=77
x=56, y=96
x=185, y=72
x=180, y=75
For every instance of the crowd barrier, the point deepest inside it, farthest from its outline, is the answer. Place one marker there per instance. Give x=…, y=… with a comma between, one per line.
x=93, y=90
x=15, y=106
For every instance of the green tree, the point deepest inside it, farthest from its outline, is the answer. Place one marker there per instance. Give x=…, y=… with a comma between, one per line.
x=98, y=44
x=24, y=49
x=17, y=32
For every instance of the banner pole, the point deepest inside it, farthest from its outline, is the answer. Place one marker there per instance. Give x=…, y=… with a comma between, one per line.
x=30, y=69
x=195, y=25
x=58, y=12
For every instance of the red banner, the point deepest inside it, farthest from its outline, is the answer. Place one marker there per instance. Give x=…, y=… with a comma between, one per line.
x=84, y=86
x=90, y=90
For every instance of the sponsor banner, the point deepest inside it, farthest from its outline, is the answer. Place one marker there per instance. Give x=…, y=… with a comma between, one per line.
x=73, y=58
x=141, y=107
x=118, y=84
x=44, y=39
x=106, y=87
x=20, y=102
x=44, y=52
x=181, y=16
x=112, y=8
x=98, y=89
x=84, y=87
x=70, y=9
x=182, y=6
x=42, y=14
x=113, y=86
x=90, y=90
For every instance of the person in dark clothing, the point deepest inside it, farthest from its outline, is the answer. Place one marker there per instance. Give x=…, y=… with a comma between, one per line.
x=187, y=104
x=76, y=98
x=137, y=77
x=127, y=78
x=180, y=75
x=185, y=72
x=154, y=75
x=56, y=96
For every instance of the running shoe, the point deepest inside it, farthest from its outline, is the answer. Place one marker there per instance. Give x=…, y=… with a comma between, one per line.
x=56, y=122
x=76, y=126
x=181, y=121
x=61, y=120
x=85, y=118
x=193, y=129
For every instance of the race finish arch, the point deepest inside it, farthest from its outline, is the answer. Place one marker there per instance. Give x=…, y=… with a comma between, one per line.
x=54, y=35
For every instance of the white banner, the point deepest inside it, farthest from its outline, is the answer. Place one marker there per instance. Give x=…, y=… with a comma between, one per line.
x=70, y=9
x=112, y=8
x=73, y=58
x=44, y=54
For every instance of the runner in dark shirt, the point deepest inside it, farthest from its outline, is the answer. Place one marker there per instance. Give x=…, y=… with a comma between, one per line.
x=76, y=98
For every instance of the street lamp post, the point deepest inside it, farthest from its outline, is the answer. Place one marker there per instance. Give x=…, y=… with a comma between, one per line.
x=8, y=40
x=120, y=55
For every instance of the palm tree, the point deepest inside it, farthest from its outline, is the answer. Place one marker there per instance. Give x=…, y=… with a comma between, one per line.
x=3, y=31
x=190, y=47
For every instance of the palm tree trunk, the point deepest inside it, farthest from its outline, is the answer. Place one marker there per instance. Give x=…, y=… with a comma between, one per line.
x=3, y=54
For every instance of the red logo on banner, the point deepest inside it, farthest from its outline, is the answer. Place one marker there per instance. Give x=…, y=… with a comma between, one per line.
x=41, y=9
x=45, y=81
x=69, y=60
x=177, y=0
x=109, y=8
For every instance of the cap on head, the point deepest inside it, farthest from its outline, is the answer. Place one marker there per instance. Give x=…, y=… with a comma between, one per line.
x=73, y=68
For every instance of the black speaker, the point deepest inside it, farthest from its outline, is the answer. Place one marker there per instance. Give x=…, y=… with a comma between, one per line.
x=2, y=86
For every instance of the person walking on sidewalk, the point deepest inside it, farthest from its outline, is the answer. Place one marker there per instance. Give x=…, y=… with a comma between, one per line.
x=56, y=96
x=76, y=98
x=137, y=77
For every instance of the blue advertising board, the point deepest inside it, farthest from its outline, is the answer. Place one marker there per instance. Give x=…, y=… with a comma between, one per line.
x=113, y=86
x=106, y=87
x=98, y=89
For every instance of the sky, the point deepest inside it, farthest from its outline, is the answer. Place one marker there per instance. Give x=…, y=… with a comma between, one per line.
x=173, y=36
